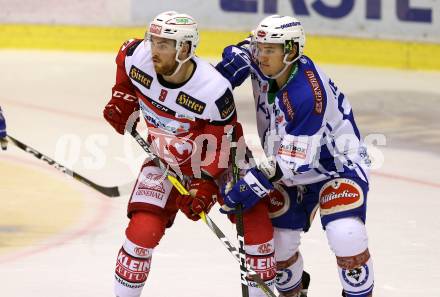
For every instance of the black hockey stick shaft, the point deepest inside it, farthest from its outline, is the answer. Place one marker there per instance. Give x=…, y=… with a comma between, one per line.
x=108, y=191
x=240, y=225
x=239, y=218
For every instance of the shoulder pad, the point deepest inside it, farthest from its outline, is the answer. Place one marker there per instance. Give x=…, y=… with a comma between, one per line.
x=129, y=46
x=127, y=49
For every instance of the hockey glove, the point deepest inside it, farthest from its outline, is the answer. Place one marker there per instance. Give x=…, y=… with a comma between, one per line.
x=235, y=65
x=247, y=191
x=203, y=195
x=3, y=141
x=119, y=111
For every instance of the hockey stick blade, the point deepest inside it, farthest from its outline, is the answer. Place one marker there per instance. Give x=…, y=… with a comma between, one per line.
x=107, y=191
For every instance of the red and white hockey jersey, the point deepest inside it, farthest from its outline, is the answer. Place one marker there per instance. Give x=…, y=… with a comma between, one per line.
x=187, y=123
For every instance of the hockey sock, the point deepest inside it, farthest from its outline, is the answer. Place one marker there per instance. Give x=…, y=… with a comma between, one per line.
x=261, y=259
x=290, y=263
x=134, y=259
x=348, y=239
x=132, y=268
x=289, y=273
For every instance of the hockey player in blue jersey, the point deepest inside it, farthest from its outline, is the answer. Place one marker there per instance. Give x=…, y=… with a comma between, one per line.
x=317, y=159
x=3, y=141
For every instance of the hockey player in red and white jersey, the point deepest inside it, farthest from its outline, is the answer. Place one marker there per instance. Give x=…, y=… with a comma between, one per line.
x=188, y=108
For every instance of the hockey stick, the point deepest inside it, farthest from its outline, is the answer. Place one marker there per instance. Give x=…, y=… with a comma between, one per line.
x=239, y=217
x=108, y=191
x=172, y=177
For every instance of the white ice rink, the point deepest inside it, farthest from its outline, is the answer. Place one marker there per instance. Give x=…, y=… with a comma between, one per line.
x=58, y=238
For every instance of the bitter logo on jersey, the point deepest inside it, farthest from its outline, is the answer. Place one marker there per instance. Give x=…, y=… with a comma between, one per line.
x=141, y=77
x=190, y=103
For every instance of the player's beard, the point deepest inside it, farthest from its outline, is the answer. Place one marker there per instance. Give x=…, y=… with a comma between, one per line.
x=165, y=69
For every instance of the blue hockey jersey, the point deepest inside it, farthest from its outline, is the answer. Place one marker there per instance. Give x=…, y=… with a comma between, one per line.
x=309, y=127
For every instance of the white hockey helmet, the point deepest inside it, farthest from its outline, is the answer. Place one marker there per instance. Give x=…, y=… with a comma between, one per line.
x=285, y=30
x=177, y=26
x=281, y=29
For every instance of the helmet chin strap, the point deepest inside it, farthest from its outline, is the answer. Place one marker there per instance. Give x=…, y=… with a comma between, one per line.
x=179, y=62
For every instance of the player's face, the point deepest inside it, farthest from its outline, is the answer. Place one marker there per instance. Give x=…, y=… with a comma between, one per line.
x=270, y=58
x=163, y=52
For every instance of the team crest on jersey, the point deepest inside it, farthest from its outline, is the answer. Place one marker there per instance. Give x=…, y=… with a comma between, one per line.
x=340, y=194
x=190, y=103
x=172, y=149
x=316, y=90
x=279, y=202
x=141, y=77
x=225, y=104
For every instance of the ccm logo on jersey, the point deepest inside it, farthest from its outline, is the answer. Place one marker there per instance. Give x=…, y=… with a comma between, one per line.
x=317, y=92
x=225, y=104
x=190, y=103
x=340, y=194
x=141, y=77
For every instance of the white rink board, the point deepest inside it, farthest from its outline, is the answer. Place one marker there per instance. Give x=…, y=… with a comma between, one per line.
x=416, y=20
x=420, y=21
